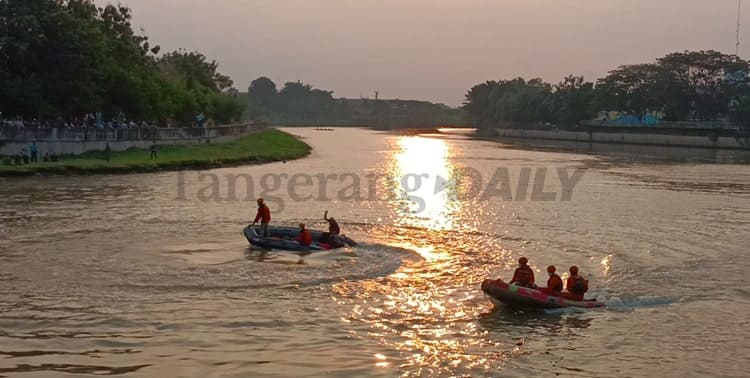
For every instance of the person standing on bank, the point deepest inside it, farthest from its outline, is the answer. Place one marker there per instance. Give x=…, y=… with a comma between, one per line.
x=264, y=216
x=107, y=152
x=34, y=152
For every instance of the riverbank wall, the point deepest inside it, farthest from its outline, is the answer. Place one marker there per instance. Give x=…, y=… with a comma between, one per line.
x=76, y=141
x=708, y=139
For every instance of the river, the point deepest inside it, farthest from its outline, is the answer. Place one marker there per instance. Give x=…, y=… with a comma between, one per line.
x=149, y=274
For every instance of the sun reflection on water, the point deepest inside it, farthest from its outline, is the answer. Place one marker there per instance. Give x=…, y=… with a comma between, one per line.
x=426, y=312
x=606, y=264
x=423, y=169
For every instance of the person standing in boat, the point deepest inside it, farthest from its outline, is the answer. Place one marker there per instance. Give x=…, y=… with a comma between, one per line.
x=264, y=216
x=304, y=237
x=523, y=276
x=577, y=285
x=554, y=283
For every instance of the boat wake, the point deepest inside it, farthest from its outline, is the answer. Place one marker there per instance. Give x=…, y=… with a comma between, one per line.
x=617, y=304
x=633, y=303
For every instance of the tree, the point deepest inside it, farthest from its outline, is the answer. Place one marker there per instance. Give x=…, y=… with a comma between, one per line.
x=632, y=89
x=262, y=98
x=66, y=58
x=194, y=68
x=301, y=100
x=477, y=103
x=695, y=84
x=48, y=57
x=263, y=90
x=525, y=102
x=681, y=86
x=739, y=107
x=574, y=100
x=509, y=101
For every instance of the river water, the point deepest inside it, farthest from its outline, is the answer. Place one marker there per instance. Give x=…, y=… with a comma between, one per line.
x=149, y=275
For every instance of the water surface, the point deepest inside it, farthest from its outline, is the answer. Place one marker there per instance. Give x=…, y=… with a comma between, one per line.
x=149, y=275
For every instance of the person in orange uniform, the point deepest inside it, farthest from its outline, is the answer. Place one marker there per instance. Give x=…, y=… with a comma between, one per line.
x=577, y=285
x=304, y=236
x=264, y=216
x=554, y=283
x=523, y=276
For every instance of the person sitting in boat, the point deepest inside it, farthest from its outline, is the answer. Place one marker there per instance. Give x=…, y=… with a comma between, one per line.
x=554, y=283
x=523, y=276
x=333, y=229
x=304, y=236
x=577, y=285
x=264, y=216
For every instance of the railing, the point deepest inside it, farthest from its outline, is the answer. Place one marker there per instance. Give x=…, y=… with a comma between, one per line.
x=722, y=125
x=23, y=134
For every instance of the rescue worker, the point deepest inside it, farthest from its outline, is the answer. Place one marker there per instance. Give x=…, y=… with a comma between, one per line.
x=333, y=230
x=264, y=216
x=523, y=276
x=304, y=237
x=333, y=226
x=577, y=285
x=554, y=283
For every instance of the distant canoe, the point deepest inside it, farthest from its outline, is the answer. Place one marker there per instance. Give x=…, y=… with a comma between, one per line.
x=284, y=238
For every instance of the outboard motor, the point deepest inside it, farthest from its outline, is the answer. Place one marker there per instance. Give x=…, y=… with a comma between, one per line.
x=348, y=241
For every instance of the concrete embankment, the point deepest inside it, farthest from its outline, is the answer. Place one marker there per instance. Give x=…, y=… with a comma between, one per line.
x=262, y=147
x=709, y=140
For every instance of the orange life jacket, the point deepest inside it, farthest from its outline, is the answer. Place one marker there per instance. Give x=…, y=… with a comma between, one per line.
x=304, y=238
x=577, y=285
x=264, y=214
x=523, y=275
x=555, y=283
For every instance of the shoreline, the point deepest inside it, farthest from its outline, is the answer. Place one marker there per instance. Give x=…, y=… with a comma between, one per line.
x=264, y=147
x=710, y=141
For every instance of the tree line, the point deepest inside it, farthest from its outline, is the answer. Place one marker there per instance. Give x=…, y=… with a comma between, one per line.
x=67, y=58
x=299, y=103
x=687, y=86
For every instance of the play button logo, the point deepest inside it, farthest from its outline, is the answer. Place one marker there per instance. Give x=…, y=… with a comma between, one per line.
x=441, y=183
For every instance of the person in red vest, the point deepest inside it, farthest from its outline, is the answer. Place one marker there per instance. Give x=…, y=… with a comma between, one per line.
x=264, y=216
x=523, y=276
x=577, y=285
x=554, y=283
x=304, y=236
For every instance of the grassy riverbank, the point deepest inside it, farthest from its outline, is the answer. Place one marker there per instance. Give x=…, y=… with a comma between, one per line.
x=266, y=146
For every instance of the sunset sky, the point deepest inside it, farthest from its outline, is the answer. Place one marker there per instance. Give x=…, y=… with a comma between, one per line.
x=434, y=49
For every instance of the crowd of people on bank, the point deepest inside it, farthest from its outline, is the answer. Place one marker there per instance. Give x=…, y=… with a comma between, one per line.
x=87, y=121
x=90, y=120
x=15, y=127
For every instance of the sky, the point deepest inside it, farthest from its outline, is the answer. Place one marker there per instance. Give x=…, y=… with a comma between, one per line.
x=434, y=49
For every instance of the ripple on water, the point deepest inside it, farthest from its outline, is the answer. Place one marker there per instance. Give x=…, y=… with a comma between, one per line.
x=113, y=275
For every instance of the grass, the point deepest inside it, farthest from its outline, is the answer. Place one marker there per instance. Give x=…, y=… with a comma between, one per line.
x=266, y=146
